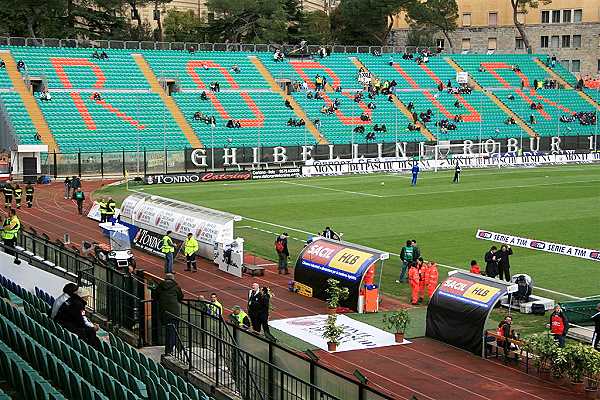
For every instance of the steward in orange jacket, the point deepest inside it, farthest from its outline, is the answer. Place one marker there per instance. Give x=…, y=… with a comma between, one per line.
x=431, y=277
x=422, y=278
x=414, y=280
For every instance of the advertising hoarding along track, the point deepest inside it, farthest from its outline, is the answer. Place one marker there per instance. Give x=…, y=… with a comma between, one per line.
x=532, y=244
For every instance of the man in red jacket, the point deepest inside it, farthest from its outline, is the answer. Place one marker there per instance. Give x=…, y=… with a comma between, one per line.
x=414, y=279
x=559, y=325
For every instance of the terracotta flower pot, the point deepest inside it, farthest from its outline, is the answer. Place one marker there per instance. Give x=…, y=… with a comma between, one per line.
x=591, y=393
x=331, y=310
x=578, y=387
x=399, y=337
x=331, y=346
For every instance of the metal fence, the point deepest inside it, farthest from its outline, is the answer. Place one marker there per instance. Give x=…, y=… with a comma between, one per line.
x=281, y=372
x=246, y=47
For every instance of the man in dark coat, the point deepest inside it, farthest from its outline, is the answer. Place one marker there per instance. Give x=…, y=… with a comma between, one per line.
x=491, y=262
x=168, y=295
x=71, y=316
x=255, y=307
x=263, y=315
x=504, y=262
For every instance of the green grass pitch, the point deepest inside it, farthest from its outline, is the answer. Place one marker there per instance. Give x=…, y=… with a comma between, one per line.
x=560, y=204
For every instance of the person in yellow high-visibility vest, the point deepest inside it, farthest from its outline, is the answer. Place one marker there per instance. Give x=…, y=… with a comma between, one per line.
x=190, y=248
x=168, y=249
x=10, y=230
x=239, y=318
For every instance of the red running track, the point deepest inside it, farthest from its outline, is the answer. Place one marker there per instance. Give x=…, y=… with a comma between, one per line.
x=426, y=368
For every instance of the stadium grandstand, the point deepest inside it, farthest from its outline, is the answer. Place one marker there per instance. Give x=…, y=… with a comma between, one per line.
x=191, y=214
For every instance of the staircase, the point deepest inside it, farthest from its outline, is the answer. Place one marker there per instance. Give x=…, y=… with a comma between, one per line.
x=297, y=108
x=495, y=100
x=33, y=109
x=424, y=131
x=178, y=116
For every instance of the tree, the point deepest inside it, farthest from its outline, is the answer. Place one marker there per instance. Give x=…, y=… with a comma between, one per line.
x=158, y=18
x=315, y=27
x=259, y=21
x=182, y=26
x=366, y=22
x=435, y=16
x=522, y=6
x=420, y=35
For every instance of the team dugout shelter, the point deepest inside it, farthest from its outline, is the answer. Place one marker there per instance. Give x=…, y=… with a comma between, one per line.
x=353, y=266
x=459, y=309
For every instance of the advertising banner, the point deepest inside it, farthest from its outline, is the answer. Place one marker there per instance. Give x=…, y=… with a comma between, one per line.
x=533, y=244
x=151, y=242
x=459, y=308
x=277, y=173
x=357, y=335
x=374, y=165
x=200, y=177
x=324, y=259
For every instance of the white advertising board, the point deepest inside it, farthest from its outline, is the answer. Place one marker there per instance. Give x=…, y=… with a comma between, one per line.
x=357, y=335
x=541, y=245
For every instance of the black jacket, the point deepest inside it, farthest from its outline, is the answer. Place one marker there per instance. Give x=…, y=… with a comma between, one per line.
x=263, y=302
x=254, y=303
x=70, y=314
x=284, y=240
x=503, y=257
x=491, y=265
x=596, y=319
x=168, y=295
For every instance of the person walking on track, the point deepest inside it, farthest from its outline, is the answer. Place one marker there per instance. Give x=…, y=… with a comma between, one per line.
x=79, y=197
x=168, y=249
x=18, y=196
x=29, y=195
x=190, y=248
x=67, y=184
x=8, y=195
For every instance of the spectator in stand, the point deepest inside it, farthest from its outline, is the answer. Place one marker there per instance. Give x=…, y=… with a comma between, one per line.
x=596, y=335
x=168, y=295
x=103, y=55
x=215, y=308
x=239, y=318
x=2, y=64
x=283, y=254
x=71, y=316
x=45, y=96
x=20, y=65
x=475, y=269
x=235, y=69
x=68, y=290
x=406, y=256
x=491, y=262
x=504, y=262
x=203, y=96
x=559, y=325
x=288, y=104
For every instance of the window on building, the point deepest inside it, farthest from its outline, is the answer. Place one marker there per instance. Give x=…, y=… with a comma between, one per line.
x=566, y=41
x=466, y=19
x=521, y=17
x=466, y=44
x=577, y=41
x=577, y=15
x=544, y=42
x=556, y=17
x=565, y=64
x=492, y=43
x=493, y=19
x=545, y=17
x=519, y=43
x=554, y=42
x=439, y=43
x=576, y=66
x=566, y=16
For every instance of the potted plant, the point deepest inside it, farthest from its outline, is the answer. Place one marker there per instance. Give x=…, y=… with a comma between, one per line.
x=559, y=363
x=543, y=348
x=332, y=333
x=592, y=373
x=577, y=356
x=335, y=294
x=397, y=321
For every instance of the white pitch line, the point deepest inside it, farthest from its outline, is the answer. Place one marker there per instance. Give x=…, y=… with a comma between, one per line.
x=332, y=189
x=489, y=188
x=393, y=254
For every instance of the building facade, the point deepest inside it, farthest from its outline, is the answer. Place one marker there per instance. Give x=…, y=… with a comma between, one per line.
x=568, y=29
